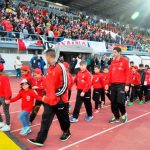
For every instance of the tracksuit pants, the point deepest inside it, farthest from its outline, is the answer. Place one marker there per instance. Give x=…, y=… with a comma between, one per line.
x=35, y=110
x=118, y=100
x=6, y=111
x=87, y=103
x=97, y=93
x=61, y=111
x=135, y=92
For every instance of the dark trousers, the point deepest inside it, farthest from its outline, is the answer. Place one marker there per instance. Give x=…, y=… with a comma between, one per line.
x=147, y=89
x=135, y=92
x=18, y=75
x=97, y=93
x=61, y=111
x=118, y=100
x=103, y=96
x=6, y=111
x=143, y=90
x=87, y=103
x=35, y=110
x=69, y=94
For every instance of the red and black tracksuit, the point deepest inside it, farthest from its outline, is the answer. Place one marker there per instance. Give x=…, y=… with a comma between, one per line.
x=40, y=84
x=135, y=86
x=5, y=94
x=147, y=86
x=56, y=101
x=97, y=83
x=83, y=81
x=118, y=77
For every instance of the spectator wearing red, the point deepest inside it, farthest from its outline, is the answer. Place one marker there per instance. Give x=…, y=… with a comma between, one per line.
x=27, y=95
x=39, y=86
x=25, y=71
x=5, y=94
x=83, y=81
x=135, y=83
x=119, y=79
x=97, y=83
x=56, y=100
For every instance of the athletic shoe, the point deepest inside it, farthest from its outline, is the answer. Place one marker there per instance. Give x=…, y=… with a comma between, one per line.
x=96, y=111
x=114, y=120
x=34, y=142
x=65, y=136
x=73, y=120
x=2, y=124
x=141, y=102
x=25, y=131
x=124, y=118
x=5, y=128
x=130, y=104
x=88, y=118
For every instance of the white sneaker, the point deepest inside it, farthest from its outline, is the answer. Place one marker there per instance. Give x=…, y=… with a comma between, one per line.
x=5, y=128
x=2, y=124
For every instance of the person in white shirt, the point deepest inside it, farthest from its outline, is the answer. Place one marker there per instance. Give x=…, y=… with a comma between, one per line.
x=18, y=65
x=77, y=66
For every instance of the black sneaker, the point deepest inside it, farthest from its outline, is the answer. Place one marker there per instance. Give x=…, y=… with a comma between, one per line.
x=65, y=136
x=114, y=120
x=35, y=142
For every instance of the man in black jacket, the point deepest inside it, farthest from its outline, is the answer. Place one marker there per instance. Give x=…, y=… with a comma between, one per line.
x=142, y=75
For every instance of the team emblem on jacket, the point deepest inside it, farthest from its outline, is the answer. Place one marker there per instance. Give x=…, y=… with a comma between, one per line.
x=28, y=98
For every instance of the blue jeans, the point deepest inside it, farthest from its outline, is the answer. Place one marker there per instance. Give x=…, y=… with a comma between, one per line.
x=24, y=118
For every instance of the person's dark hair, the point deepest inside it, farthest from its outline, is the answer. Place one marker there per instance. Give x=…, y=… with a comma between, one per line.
x=147, y=66
x=105, y=67
x=96, y=66
x=118, y=49
x=131, y=62
x=83, y=62
x=141, y=65
x=41, y=58
x=51, y=53
x=28, y=82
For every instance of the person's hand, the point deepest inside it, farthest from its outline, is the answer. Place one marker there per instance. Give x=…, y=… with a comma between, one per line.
x=43, y=98
x=126, y=88
x=7, y=101
x=35, y=87
x=106, y=87
x=82, y=94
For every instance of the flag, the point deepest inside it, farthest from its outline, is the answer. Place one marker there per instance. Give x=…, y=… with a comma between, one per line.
x=23, y=45
x=47, y=44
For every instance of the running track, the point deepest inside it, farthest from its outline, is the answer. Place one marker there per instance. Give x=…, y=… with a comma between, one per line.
x=97, y=134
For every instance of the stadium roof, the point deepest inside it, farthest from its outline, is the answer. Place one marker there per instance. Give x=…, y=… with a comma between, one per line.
x=121, y=10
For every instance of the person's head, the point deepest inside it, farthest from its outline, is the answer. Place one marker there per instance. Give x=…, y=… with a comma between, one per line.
x=117, y=52
x=134, y=68
x=37, y=73
x=41, y=58
x=1, y=67
x=80, y=56
x=18, y=57
x=141, y=66
x=25, y=70
x=105, y=70
x=50, y=56
x=146, y=67
x=96, y=69
x=83, y=65
x=131, y=63
x=25, y=84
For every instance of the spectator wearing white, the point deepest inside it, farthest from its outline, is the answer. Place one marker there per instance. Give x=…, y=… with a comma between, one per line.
x=18, y=65
x=77, y=66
